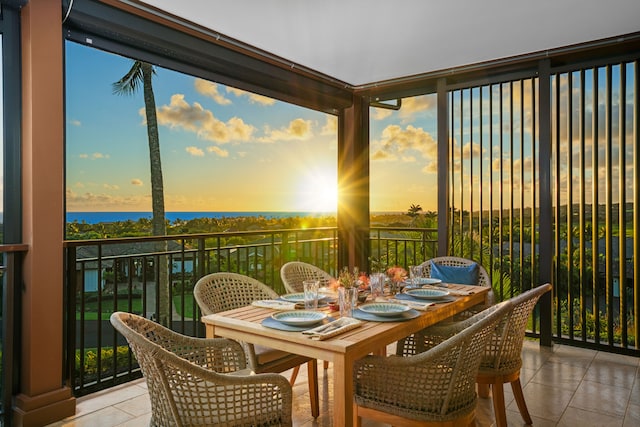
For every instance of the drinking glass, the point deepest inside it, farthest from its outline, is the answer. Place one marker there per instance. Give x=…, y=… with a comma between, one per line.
x=415, y=273
x=347, y=300
x=311, y=293
x=376, y=281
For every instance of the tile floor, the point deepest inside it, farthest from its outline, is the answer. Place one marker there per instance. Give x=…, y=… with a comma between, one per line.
x=563, y=386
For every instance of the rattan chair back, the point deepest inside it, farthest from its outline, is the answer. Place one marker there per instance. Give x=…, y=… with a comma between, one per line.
x=294, y=273
x=437, y=385
x=189, y=379
x=503, y=355
x=218, y=292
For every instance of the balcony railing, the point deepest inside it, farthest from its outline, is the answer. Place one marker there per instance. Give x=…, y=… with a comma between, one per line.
x=10, y=267
x=103, y=276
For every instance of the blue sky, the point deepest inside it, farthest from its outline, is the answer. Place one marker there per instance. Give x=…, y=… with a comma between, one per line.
x=224, y=149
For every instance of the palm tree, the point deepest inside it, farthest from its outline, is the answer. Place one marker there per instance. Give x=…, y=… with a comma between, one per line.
x=142, y=73
x=414, y=212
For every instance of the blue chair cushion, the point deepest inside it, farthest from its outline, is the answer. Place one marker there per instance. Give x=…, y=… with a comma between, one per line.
x=467, y=275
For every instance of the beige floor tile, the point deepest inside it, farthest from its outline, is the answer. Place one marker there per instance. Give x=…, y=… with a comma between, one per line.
x=514, y=419
x=107, y=417
x=537, y=356
x=564, y=376
x=137, y=406
x=563, y=386
x=95, y=401
x=617, y=358
x=572, y=355
x=544, y=401
x=606, y=399
x=141, y=421
x=635, y=392
x=632, y=416
x=611, y=373
x=580, y=417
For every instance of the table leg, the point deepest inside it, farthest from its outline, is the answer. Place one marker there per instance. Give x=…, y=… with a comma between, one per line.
x=343, y=392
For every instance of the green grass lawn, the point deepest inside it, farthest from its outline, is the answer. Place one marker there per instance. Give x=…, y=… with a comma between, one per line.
x=91, y=307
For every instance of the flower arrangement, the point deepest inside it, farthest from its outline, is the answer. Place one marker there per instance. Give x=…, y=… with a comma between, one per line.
x=353, y=279
x=397, y=274
x=348, y=279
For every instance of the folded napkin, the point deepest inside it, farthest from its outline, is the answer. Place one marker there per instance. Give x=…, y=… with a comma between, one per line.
x=452, y=292
x=332, y=329
x=415, y=305
x=275, y=304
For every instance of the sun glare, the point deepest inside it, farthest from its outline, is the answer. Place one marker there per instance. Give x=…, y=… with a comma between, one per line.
x=318, y=192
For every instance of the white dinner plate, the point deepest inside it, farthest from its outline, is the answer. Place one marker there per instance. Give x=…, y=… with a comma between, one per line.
x=299, y=317
x=427, y=293
x=384, y=309
x=299, y=297
x=428, y=281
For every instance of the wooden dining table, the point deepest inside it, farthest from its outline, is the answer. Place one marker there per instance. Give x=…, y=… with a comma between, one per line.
x=244, y=324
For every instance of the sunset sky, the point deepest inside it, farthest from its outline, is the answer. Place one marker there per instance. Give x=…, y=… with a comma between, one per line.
x=224, y=149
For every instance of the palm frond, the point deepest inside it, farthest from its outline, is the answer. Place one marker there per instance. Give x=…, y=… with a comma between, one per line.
x=130, y=82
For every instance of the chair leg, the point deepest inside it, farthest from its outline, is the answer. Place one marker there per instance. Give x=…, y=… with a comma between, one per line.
x=498, y=404
x=483, y=390
x=294, y=375
x=519, y=396
x=312, y=373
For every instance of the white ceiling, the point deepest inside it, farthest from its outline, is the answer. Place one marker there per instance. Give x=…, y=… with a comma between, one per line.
x=365, y=41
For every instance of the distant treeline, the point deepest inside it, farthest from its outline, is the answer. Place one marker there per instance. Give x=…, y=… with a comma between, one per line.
x=104, y=230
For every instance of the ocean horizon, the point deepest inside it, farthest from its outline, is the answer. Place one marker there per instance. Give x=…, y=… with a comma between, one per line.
x=97, y=217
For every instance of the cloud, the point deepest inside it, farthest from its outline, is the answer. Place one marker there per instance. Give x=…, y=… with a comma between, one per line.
x=194, y=151
x=137, y=182
x=217, y=150
x=398, y=144
x=210, y=89
x=80, y=201
x=111, y=186
x=298, y=129
x=194, y=118
x=254, y=98
x=74, y=122
x=380, y=113
x=94, y=156
x=408, y=109
x=331, y=126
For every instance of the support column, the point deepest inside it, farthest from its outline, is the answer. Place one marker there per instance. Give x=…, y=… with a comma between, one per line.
x=546, y=222
x=42, y=398
x=443, y=168
x=353, y=185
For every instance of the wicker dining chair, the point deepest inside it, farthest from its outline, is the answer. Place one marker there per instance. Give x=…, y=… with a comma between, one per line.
x=202, y=382
x=430, y=388
x=294, y=273
x=217, y=292
x=502, y=358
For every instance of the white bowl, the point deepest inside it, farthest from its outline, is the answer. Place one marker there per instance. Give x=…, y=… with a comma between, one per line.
x=385, y=309
x=299, y=317
x=427, y=293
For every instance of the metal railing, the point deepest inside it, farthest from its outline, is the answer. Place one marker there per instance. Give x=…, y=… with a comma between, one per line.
x=10, y=273
x=107, y=275
x=497, y=142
